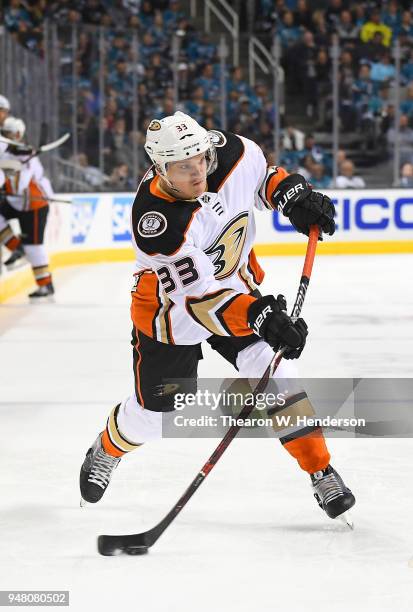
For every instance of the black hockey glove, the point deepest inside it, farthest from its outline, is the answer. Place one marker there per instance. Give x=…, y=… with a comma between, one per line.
x=268, y=319
x=304, y=207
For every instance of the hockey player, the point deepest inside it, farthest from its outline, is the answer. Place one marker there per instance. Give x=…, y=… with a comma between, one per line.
x=4, y=109
x=197, y=278
x=25, y=193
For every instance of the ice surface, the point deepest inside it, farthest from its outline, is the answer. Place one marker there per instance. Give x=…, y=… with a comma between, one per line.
x=252, y=538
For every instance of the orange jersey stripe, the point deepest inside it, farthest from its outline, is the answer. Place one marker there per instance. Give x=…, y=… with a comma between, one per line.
x=274, y=181
x=36, y=196
x=157, y=191
x=255, y=268
x=145, y=304
x=234, y=316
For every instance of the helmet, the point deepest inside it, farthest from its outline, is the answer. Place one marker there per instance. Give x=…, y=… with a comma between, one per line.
x=175, y=138
x=14, y=126
x=4, y=103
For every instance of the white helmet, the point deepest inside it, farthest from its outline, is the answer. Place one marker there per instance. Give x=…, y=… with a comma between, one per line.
x=14, y=126
x=178, y=137
x=4, y=103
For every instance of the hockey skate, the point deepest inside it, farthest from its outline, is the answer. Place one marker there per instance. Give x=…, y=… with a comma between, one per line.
x=96, y=472
x=332, y=495
x=15, y=257
x=42, y=291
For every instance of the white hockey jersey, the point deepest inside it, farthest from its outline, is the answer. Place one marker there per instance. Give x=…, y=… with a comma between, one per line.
x=196, y=267
x=28, y=188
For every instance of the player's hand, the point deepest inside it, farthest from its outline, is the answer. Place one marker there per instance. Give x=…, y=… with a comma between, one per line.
x=268, y=319
x=304, y=207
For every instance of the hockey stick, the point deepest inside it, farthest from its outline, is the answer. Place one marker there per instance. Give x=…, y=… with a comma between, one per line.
x=37, y=199
x=37, y=150
x=139, y=543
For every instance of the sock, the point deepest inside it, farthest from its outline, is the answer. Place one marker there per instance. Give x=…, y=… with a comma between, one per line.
x=42, y=275
x=308, y=448
x=113, y=441
x=9, y=240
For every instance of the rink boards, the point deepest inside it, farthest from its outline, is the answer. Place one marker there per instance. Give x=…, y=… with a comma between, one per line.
x=95, y=227
x=371, y=221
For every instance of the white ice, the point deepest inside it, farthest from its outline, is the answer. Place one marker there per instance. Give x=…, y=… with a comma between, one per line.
x=252, y=538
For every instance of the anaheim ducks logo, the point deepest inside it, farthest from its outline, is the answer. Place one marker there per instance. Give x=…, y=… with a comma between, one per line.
x=154, y=126
x=226, y=250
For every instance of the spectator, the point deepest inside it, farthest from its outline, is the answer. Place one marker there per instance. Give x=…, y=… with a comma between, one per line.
x=405, y=29
x=14, y=15
x=173, y=14
x=316, y=152
x=289, y=32
x=120, y=179
x=306, y=166
x=93, y=12
x=383, y=70
x=303, y=74
x=320, y=29
x=347, y=179
x=200, y=49
x=303, y=15
x=391, y=16
x=407, y=68
x=406, y=106
x=333, y=12
x=374, y=49
x=90, y=174
x=405, y=139
x=374, y=25
x=318, y=178
x=406, y=177
x=363, y=90
x=347, y=31
x=293, y=139
x=208, y=82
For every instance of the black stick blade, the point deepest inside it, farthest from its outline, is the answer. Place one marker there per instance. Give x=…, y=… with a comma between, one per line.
x=123, y=544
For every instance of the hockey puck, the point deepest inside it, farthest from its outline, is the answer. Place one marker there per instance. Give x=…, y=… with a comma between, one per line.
x=110, y=546
x=136, y=550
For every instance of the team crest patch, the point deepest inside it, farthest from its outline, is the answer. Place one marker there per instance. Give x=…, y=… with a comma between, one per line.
x=154, y=126
x=151, y=224
x=217, y=138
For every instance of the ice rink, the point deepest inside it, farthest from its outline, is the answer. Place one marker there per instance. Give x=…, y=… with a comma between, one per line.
x=252, y=538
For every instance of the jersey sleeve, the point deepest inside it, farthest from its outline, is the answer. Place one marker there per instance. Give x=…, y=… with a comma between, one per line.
x=268, y=177
x=187, y=278
x=272, y=178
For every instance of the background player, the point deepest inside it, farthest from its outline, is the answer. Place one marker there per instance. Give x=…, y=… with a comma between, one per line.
x=26, y=191
x=4, y=109
x=197, y=278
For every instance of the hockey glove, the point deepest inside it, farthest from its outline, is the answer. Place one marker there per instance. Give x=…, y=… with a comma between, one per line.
x=268, y=319
x=304, y=207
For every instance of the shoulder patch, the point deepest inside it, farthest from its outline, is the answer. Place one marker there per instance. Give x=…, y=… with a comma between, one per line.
x=217, y=138
x=160, y=226
x=152, y=224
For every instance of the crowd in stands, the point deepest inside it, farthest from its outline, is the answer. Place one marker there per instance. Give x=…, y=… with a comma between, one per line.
x=366, y=31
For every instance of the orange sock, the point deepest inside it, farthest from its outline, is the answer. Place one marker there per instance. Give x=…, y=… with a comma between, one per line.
x=113, y=441
x=309, y=449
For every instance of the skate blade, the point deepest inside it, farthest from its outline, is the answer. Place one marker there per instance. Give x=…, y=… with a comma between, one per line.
x=83, y=503
x=44, y=299
x=346, y=519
